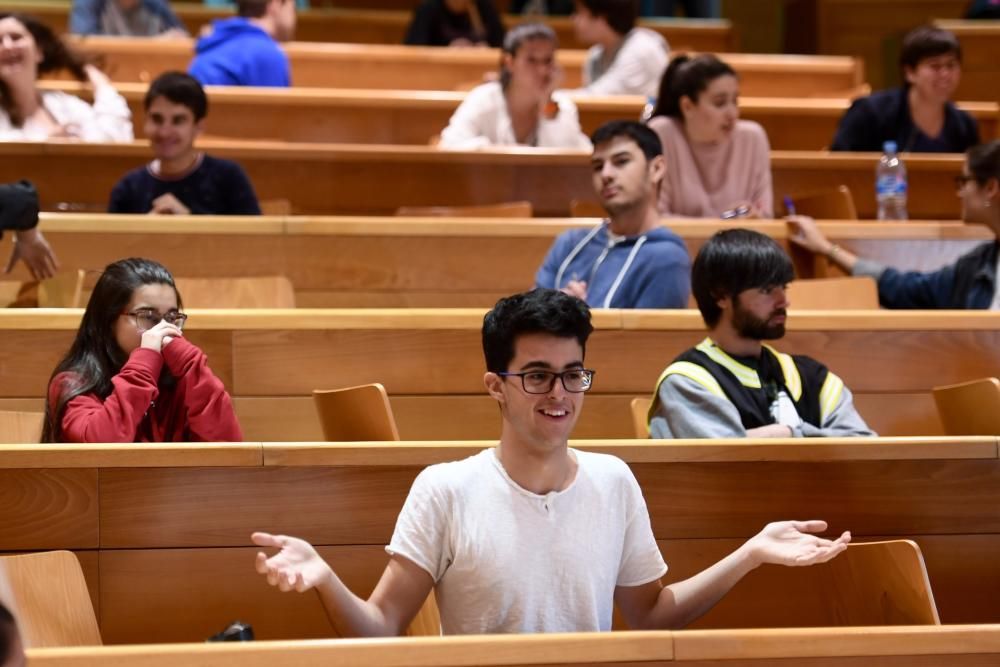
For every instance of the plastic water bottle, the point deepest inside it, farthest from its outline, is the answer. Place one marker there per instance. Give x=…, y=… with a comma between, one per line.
x=890, y=184
x=647, y=109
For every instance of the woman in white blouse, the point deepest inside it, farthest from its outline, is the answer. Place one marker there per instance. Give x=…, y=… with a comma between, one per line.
x=522, y=108
x=29, y=48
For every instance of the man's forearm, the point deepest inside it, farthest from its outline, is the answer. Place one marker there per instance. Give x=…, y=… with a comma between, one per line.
x=350, y=615
x=682, y=603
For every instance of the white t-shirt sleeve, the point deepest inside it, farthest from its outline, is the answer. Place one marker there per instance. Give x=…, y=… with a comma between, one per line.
x=641, y=561
x=423, y=530
x=468, y=127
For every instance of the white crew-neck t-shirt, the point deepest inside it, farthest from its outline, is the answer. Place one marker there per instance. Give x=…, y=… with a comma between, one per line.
x=505, y=560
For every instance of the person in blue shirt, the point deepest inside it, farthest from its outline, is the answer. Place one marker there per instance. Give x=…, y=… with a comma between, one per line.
x=919, y=116
x=628, y=260
x=125, y=18
x=181, y=180
x=244, y=50
x=969, y=282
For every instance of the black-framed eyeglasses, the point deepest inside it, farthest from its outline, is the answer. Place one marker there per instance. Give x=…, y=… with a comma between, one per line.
x=574, y=380
x=961, y=180
x=147, y=318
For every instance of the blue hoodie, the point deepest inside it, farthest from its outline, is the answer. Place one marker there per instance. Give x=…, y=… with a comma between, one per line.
x=238, y=53
x=651, y=270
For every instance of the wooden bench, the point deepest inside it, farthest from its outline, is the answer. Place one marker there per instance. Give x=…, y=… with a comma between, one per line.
x=377, y=179
x=430, y=361
x=413, y=117
x=980, y=58
x=317, y=65
x=960, y=645
x=413, y=262
x=164, y=529
x=368, y=26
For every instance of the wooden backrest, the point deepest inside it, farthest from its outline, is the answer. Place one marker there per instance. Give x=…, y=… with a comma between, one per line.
x=514, y=209
x=640, y=415
x=63, y=290
x=353, y=414
x=246, y=292
x=48, y=596
x=829, y=204
x=20, y=427
x=275, y=207
x=970, y=408
x=847, y=293
x=878, y=583
x=427, y=622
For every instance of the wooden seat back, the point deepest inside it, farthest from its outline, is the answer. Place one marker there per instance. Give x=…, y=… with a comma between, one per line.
x=48, y=596
x=586, y=208
x=845, y=293
x=878, y=583
x=513, y=209
x=640, y=415
x=353, y=414
x=827, y=204
x=970, y=408
x=20, y=427
x=427, y=622
x=63, y=290
x=244, y=292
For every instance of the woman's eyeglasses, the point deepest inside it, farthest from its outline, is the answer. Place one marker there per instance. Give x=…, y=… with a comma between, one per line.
x=147, y=318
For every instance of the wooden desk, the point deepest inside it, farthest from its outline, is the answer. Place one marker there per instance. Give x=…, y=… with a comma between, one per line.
x=375, y=26
x=377, y=179
x=317, y=65
x=413, y=117
x=980, y=55
x=962, y=646
x=171, y=532
x=430, y=361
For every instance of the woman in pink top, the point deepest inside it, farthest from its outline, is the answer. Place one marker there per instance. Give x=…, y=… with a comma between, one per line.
x=717, y=165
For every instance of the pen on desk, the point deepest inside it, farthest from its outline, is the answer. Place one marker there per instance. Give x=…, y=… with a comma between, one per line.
x=789, y=205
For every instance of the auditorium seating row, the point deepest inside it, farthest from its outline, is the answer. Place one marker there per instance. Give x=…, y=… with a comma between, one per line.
x=329, y=65
x=430, y=361
x=368, y=26
x=163, y=530
x=414, y=117
x=323, y=179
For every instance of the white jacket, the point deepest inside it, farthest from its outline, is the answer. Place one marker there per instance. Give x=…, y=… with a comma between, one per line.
x=108, y=119
x=635, y=69
x=482, y=120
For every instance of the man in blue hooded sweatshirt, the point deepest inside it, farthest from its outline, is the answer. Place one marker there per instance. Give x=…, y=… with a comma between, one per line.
x=244, y=51
x=629, y=260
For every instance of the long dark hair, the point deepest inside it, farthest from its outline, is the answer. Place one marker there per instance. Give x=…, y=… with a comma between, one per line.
x=95, y=357
x=687, y=76
x=56, y=55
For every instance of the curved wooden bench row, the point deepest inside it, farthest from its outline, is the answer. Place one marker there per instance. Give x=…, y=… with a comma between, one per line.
x=430, y=362
x=317, y=65
x=420, y=262
x=164, y=529
x=317, y=115
x=377, y=179
x=372, y=26
x=962, y=646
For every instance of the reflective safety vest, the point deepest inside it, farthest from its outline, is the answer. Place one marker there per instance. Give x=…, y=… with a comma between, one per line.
x=813, y=389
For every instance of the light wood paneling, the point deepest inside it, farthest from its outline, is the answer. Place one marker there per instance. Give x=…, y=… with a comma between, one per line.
x=354, y=176
x=48, y=509
x=315, y=115
x=428, y=68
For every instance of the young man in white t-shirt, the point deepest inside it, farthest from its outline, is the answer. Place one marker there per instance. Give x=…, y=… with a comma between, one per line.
x=532, y=536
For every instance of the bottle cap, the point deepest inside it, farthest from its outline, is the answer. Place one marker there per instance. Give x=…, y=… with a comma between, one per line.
x=889, y=147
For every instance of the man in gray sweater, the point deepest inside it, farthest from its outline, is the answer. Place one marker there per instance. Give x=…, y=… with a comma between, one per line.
x=732, y=384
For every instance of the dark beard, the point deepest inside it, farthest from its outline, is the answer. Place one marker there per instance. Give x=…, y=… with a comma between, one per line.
x=754, y=328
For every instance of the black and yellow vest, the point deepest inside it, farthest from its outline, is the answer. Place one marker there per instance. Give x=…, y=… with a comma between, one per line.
x=813, y=389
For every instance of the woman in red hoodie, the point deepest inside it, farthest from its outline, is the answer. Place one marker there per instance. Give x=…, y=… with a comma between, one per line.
x=131, y=376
